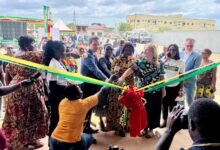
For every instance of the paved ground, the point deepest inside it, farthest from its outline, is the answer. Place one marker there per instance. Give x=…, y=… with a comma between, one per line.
x=182, y=139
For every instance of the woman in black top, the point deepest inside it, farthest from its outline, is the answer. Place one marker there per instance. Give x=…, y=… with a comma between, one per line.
x=54, y=52
x=104, y=62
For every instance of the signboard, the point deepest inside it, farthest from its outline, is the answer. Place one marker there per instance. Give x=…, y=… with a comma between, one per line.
x=41, y=33
x=55, y=34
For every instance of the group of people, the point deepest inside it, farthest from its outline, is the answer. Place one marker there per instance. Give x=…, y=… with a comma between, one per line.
x=68, y=106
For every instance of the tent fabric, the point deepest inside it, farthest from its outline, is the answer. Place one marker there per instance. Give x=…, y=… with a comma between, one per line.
x=61, y=26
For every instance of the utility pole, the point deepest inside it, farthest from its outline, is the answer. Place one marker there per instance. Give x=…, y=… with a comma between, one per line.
x=135, y=22
x=74, y=19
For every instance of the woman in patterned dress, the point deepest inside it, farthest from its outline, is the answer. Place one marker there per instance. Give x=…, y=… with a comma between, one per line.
x=148, y=71
x=4, y=91
x=206, y=83
x=25, y=118
x=119, y=65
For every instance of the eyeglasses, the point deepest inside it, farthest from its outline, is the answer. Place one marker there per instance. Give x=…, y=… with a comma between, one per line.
x=9, y=48
x=189, y=46
x=172, y=49
x=204, y=53
x=109, y=49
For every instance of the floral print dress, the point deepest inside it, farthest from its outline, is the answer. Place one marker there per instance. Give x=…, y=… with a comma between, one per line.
x=70, y=64
x=204, y=84
x=117, y=117
x=25, y=119
x=148, y=73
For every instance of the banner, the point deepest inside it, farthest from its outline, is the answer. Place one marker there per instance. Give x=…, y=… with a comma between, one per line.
x=41, y=33
x=46, y=16
x=55, y=34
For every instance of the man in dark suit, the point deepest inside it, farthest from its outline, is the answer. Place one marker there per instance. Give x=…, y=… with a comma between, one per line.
x=90, y=68
x=192, y=61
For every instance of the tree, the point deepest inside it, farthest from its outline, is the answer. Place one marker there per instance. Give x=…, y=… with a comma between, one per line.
x=110, y=29
x=125, y=27
x=71, y=26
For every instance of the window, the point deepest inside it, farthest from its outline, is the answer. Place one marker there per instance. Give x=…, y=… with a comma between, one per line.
x=171, y=23
x=183, y=24
x=138, y=21
x=192, y=24
x=165, y=22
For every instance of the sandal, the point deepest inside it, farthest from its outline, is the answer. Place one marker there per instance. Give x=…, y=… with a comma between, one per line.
x=35, y=145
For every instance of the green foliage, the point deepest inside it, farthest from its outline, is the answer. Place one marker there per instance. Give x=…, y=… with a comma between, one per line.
x=110, y=29
x=71, y=26
x=164, y=28
x=125, y=27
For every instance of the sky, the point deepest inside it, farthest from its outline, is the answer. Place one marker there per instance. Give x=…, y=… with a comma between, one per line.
x=110, y=12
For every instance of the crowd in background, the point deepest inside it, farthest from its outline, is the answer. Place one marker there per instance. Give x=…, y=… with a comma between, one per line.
x=62, y=109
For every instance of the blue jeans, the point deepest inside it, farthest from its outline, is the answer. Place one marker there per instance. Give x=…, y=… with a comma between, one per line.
x=190, y=92
x=86, y=141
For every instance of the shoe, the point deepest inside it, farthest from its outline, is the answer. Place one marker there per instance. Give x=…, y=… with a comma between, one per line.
x=89, y=130
x=94, y=141
x=158, y=134
x=143, y=133
x=164, y=124
x=121, y=133
x=149, y=134
x=126, y=128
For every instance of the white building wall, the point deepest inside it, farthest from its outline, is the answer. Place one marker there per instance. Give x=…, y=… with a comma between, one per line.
x=96, y=32
x=204, y=39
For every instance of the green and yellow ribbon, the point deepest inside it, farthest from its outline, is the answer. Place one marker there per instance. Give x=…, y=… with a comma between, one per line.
x=56, y=72
x=179, y=78
x=81, y=78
